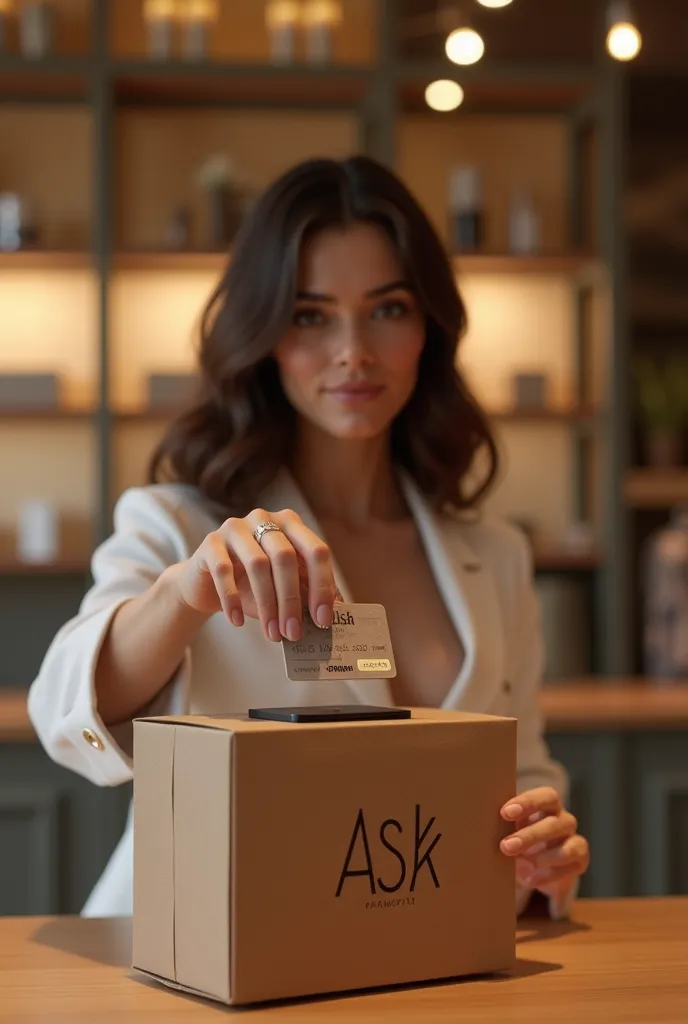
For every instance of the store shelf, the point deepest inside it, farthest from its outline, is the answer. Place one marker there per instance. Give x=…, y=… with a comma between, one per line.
x=563, y=415
x=66, y=567
x=50, y=413
x=15, y=725
x=50, y=79
x=566, y=561
x=555, y=264
x=215, y=82
x=150, y=259
x=655, y=488
x=45, y=259
x=548, y=264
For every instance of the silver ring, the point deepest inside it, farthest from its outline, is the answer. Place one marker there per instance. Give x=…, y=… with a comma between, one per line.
x=263, y=528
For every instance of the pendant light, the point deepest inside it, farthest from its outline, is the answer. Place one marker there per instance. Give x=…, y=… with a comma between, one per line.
x=623, y=38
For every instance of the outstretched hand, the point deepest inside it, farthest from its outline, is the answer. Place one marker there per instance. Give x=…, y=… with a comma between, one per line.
x=550, y=853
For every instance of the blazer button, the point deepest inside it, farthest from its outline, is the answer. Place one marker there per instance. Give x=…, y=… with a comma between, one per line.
x=93, y=739
x=506, y=686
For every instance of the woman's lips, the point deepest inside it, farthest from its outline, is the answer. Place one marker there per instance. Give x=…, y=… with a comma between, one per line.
x=355, y=394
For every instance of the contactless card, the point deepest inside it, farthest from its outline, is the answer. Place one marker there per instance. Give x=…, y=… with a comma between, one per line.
x=356, y=646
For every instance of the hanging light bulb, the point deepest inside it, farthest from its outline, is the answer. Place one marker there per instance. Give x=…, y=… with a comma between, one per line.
x=494, y=3
x=623, y=38
x=282, y=18
x=444, y=95
x=464, y=46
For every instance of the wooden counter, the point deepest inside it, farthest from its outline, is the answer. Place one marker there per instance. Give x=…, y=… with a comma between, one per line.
x=616, y=961
x=585, y=705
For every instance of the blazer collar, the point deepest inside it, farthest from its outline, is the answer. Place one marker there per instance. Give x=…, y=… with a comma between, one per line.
x=466, y=585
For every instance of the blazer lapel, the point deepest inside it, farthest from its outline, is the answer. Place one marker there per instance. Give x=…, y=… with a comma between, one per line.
x=471, y=600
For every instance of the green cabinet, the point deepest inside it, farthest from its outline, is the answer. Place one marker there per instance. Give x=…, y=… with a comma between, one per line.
x=629, y=791
x=56, y=832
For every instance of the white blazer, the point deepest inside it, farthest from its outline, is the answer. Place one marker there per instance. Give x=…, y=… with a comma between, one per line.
x=482, y=568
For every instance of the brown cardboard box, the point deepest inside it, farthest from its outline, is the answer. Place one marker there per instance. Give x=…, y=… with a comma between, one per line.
x=274, y=860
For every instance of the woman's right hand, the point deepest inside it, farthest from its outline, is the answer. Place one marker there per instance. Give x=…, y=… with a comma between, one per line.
x=271, y=581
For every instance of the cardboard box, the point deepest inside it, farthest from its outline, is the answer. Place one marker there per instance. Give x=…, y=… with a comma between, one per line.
x=276, y=860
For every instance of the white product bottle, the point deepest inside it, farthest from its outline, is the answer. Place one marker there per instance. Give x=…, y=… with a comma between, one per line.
x=37, y=531
x=524, y=224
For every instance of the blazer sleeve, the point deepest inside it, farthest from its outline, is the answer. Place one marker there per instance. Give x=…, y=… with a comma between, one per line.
x=61, y=703
x=535, y=765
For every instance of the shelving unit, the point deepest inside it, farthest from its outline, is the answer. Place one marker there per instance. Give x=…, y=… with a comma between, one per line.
x=571, y=295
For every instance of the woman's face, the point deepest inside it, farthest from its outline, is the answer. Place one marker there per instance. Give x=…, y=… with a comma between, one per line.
x=349, y=361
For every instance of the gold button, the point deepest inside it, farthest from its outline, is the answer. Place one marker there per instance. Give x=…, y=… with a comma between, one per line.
x=92, y=738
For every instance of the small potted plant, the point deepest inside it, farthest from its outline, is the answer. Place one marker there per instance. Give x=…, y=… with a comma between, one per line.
x=663, y=405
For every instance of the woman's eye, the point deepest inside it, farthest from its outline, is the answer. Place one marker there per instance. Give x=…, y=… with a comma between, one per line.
x=391, y=310
x=308, y=317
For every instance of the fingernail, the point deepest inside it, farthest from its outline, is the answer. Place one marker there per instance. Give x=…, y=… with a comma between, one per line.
x=512, y=845
x=237, y=617
x=293, y=629
x=274, y=630
x=323, y=616
x=513, y=811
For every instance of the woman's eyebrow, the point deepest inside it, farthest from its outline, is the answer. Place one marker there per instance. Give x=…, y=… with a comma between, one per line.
x=383, y=289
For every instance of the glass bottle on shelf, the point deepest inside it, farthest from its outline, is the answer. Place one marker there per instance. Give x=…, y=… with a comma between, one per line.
x=665, y=628
x=466, y=219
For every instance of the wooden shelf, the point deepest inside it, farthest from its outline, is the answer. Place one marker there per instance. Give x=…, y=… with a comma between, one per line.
x=216, y=82
x=563, y=264
x=62, y=567
x=54, y=77
x=15, y=726
x=656, y=488
x=48, y=413
x=566, y=561
x=563, y=416
x=45, y=259
x=572, y=414
x=172, y=260
x=597, y=703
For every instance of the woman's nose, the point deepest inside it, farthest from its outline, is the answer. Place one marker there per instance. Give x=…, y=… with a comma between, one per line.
x=353, y=349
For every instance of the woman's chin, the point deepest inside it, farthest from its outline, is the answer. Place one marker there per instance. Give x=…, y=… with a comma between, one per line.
x=356, y=427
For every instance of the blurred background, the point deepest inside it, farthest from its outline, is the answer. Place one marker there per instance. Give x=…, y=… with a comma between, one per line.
x=547, y=141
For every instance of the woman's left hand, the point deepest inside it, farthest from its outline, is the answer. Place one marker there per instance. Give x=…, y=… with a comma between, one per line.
x=550, y=854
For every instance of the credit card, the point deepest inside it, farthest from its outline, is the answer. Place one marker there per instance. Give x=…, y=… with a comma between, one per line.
x=356, y=646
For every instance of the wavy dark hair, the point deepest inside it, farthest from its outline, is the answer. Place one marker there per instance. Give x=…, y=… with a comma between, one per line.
x=239, y=431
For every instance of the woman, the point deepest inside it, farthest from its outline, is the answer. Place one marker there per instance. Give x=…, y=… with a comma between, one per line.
x=331, y=409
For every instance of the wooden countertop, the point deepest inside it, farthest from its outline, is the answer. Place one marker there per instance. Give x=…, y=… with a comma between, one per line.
x=591, y=704
x=616, y=961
